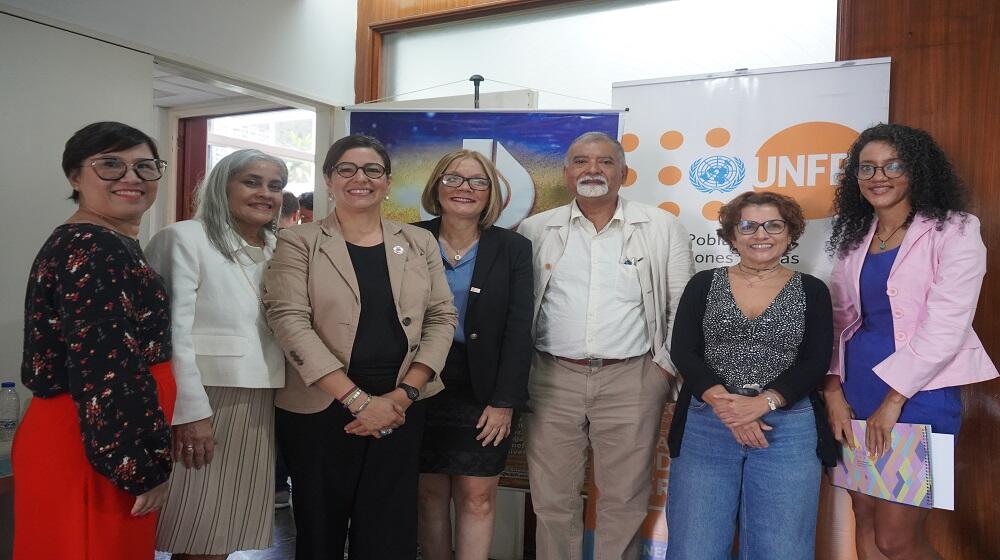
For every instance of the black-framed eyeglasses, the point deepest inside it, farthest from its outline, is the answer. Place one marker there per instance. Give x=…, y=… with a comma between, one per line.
x=891, y=170
x=750, y=227
x=348, y=170
x=475, y=183
x=114, y=168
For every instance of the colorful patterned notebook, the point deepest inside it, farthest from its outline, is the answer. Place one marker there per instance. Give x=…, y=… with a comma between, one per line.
x=903, y=475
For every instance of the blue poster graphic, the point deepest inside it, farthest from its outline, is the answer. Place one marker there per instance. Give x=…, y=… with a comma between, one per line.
x=528, y=149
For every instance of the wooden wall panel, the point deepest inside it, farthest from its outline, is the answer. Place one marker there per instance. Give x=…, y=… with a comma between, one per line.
x=946, y=80
x=376, y=17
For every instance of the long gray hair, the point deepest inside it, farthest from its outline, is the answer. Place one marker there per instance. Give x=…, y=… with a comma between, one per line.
x=213, y=202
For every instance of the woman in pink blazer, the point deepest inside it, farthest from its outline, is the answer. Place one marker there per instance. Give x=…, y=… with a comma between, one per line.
x=909, y=265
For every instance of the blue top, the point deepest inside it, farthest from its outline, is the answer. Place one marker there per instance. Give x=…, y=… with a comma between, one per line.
x=460, y=281
x=874, y=342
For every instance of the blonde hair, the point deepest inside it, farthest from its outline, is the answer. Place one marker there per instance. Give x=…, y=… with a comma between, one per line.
x=431, y=203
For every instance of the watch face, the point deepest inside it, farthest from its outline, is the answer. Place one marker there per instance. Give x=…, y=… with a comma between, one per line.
x=411, y=392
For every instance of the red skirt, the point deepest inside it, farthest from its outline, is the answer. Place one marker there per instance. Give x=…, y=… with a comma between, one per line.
x=64, y=509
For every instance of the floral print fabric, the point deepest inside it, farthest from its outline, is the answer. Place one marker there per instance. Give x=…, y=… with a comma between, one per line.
x=96, y=317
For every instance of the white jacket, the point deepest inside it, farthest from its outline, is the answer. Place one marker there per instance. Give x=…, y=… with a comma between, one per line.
x=649, y=232
x=220, y=337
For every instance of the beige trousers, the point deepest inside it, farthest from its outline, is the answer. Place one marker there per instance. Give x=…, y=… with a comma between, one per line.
x=616, y=410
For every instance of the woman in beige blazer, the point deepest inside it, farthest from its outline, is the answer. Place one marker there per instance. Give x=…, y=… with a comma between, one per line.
x=363, y=312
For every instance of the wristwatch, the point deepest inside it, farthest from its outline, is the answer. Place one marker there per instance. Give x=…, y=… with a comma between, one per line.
x=412, y=392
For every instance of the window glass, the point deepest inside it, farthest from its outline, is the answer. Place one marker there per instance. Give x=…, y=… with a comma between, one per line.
x=287, y=134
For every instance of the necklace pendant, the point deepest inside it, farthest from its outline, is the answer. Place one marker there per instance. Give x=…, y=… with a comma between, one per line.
x=881, y=246
x=458, y=257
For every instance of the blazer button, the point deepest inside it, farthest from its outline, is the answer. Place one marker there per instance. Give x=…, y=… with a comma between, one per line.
x=897, y=313
x=474, y=336
x=891, y=292
x=900, y=336
x=414, y=347
x=406, y=321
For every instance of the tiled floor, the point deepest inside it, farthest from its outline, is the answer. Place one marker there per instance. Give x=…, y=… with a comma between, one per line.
x=284, y=541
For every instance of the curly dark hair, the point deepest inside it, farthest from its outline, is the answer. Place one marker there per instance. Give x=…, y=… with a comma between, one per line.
x=790, y=211
x=935, y=190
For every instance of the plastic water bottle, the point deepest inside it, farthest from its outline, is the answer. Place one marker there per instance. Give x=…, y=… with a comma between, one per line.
x=10, y=410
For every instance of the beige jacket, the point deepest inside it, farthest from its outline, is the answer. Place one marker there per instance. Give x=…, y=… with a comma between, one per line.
x=313, y=304
x=651, y=233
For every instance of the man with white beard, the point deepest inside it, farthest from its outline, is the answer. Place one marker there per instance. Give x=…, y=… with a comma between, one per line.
x=608, y=275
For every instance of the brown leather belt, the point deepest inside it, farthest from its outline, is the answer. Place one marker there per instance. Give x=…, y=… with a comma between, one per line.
x=594, y=363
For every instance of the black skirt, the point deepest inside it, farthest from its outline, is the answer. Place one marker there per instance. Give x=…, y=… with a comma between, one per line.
x=449, y=443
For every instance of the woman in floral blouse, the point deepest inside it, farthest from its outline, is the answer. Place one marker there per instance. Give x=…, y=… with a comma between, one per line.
x=92, y=455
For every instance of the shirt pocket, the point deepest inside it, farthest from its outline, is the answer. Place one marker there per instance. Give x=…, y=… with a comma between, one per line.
x=627, y=287
x=219, y=345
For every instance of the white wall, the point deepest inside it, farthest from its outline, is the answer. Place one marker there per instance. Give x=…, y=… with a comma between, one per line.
x=52, y=83
x=580, y=50
x=303, y=47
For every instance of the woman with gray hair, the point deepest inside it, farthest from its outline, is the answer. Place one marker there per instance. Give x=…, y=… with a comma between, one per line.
x=226, y=362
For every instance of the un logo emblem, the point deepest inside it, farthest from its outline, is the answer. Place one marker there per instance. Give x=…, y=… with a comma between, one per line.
x=717, y=174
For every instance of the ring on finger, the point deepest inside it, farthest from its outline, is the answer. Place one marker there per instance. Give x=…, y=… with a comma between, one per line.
x=189, y=448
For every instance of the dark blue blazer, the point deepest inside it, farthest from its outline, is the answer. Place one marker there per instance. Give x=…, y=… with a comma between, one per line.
x=498, y=317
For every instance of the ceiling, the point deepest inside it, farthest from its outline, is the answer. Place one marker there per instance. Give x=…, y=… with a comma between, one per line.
x=172, y=90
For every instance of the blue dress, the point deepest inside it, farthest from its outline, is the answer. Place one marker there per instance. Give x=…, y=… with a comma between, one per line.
x=874, y=342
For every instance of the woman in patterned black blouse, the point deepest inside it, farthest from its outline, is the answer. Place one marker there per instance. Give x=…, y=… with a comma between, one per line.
x=92, y=455
x=752, y=342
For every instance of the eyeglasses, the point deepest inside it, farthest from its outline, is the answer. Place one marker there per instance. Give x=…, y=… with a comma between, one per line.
x=475, y=183
x=348, y=170
x=891, y=170
x=750, y=227
x=113, y=168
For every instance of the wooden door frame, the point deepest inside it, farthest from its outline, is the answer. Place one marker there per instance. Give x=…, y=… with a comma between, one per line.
x=192, y=159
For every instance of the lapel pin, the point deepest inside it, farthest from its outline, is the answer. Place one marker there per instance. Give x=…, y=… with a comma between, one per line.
x=398, y=250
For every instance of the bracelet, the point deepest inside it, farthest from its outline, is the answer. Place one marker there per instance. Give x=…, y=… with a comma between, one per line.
x=772, y=402
x=354, y=396
x=773, y=395
x=363, y=406
x=348, y=393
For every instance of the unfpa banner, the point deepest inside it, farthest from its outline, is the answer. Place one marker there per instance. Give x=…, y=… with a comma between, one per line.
x=696, y=142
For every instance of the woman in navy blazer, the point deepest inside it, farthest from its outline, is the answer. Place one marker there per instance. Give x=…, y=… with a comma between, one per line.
x=466, y=438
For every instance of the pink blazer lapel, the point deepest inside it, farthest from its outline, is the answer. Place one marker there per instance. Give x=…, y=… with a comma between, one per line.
x=920, y=226
x=856, y=260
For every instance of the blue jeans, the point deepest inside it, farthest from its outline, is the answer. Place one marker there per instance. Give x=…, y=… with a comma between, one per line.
x=774, y=491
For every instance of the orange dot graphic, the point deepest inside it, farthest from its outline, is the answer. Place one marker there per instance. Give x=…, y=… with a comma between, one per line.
x=671, y=140
x=670, y=207
x=711, y=210
x=630, y=178
x=717, y=137
x=630, y=142
x=670, y=175
x=803, y=161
